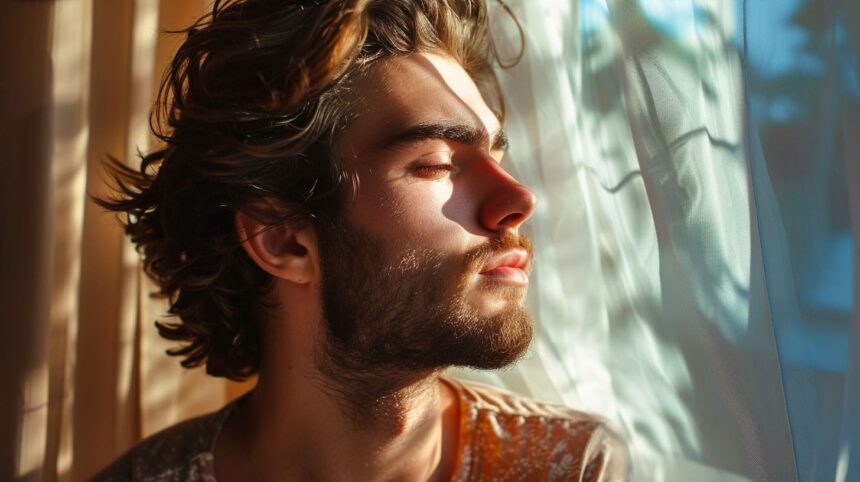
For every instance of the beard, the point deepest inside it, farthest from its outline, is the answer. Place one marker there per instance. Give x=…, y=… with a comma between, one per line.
x=397, y=310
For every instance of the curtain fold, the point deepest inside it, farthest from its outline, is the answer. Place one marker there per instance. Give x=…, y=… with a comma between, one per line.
x=25, y=240
x=105, y=409
x=848, y=456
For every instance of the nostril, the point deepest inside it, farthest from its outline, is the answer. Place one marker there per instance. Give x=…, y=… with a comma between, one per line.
x=512, y=220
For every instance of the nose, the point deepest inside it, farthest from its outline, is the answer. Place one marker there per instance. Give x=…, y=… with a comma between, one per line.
x=507, y=203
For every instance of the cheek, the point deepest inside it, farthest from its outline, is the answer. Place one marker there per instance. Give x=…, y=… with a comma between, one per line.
x=417, y=213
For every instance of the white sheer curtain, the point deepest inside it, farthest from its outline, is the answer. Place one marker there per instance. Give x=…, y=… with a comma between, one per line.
x=655, y=307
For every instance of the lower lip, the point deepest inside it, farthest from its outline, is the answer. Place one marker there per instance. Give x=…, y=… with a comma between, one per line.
x=508, y=274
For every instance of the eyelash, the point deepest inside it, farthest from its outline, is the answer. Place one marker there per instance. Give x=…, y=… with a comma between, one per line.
x=434, y=168
x=433, y=171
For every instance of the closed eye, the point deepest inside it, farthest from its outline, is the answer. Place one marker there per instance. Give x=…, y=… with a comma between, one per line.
x=433, y=170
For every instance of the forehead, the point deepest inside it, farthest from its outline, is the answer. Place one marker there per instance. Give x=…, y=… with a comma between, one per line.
x=411, y=89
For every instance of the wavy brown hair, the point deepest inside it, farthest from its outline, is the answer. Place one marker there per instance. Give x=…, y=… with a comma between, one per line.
x=248, y=111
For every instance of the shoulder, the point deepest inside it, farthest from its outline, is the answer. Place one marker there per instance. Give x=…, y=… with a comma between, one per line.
x=512, y=437
x=182, y=452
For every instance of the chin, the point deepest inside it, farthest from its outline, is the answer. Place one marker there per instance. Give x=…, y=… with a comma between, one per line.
x=498, y=341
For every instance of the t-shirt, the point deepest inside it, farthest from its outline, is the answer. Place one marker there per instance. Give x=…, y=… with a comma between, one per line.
x=503, y=437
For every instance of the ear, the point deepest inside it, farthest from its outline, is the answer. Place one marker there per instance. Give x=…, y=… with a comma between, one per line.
x=280, y=250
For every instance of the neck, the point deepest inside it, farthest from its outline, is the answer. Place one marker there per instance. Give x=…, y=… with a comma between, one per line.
x=304, y=424
x=373, y=397
x=378, y=403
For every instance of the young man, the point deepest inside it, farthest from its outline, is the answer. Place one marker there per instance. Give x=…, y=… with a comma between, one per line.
x=329, y=212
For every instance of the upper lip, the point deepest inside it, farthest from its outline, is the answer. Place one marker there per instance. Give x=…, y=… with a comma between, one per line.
x=515, y=258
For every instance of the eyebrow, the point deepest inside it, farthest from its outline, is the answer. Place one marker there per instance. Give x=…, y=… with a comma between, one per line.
x=473, y=135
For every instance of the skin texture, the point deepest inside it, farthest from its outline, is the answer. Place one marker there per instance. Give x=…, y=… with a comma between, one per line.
x=373, y=306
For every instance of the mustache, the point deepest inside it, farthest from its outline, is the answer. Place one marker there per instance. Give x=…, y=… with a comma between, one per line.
x=478, y=256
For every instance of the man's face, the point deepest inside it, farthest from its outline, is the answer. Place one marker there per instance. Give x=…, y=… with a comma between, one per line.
x=426, y=267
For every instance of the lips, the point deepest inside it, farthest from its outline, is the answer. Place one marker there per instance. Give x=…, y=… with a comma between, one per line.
x=509, y=266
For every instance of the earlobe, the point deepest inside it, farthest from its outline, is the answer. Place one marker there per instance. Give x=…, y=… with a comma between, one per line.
x=280, y=250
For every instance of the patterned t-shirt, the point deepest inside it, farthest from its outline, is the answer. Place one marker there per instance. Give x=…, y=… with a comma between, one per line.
x=503, y=437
